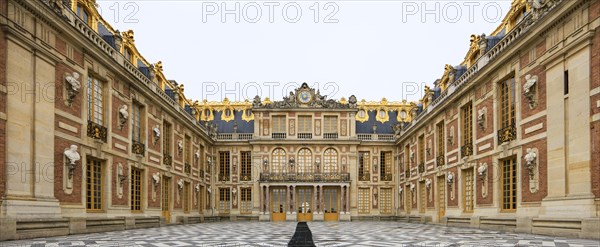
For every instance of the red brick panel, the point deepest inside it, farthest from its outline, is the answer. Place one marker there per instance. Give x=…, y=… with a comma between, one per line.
x=124, y=200
x=489, y=198
x=488, y=125
x=454, y=187
x=526, y=194
x=157, y=199
x=152, y=145
x=116, y=105
x=540, y=99
x=541, y=120
x=75, y=197
x=59, y=102
x=595, y=169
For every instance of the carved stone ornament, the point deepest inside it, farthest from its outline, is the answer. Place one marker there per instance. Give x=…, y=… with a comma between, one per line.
x=123, y=116
x=209, y=190
x=412, y=187
x=412, y=156
x=156, y=179
x=428, y=183
x=197, y=155
x=197, y=188
x=121, y=174
x=482, y=170
x=529, y=89
x=400, y=189
x=481, y=113
x=180, y=184
x=71, y=157
x=72, y=85
x=179, y=147
x=451, y=136
x=156, y=133
x=540, y=7
x=530, y=162
x=304, y=96
x=450, y=178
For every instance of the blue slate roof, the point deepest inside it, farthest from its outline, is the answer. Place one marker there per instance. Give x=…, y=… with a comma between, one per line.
x=382, y=128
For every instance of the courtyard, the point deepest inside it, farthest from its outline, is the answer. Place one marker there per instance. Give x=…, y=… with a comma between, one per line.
x=323, y=233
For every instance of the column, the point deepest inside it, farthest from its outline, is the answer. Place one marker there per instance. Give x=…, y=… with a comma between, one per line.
x=287, y=199
x=268, y=201
x=348, y=198
x=314, y=201
x=293, y=206
x=321, y=200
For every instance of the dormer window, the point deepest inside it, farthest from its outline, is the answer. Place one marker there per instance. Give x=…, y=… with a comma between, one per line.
x=83, y=14
x=128, y=54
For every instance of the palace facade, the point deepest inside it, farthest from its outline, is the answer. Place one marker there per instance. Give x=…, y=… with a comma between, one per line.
x=94, y=137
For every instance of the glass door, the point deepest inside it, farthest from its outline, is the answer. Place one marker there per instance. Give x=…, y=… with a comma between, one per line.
x=166, y=199
x=304, y=199
x=331, y=199
x=278, y=204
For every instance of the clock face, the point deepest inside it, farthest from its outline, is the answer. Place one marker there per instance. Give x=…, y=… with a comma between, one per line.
x=304, y=97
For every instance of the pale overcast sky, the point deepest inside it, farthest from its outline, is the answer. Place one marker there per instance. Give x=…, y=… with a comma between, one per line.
x=366, y=48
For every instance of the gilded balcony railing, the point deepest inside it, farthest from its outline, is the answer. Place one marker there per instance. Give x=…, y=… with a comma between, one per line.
x=422, y=168
x=440, y=160
x=245, y=177
x=223, y=177
x=187, y=168
x=167, y=160
x=466, y=150
x=507, y=134
x=364, y=176
x=138, y=147
x=97, y=131
x=304, y=177
x=386, y=177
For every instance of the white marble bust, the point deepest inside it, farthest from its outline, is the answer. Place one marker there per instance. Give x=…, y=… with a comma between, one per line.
x=72, y=154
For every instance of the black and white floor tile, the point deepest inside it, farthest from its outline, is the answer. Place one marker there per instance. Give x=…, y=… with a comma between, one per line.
x=227, y=234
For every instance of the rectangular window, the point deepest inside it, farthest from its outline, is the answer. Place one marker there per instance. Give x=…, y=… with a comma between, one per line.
x=166, y=194
x=330, y=124
x=467, y=124
x=224, y=162
x=566, y=82
x=407, y=158
x=441, y=148
x=186, y=197
x=421, y=149
x=422, y=197
x=246, y=166
x=385, y=206
x=95, y=99
x=279, y=124
x=166, y=138
x=188, y=150
x=507, y=103
x=224, y=199
x=201, y=199
x=246, y=197
x=385, y=170
x=304, y=124
x=468, y=190
x=509, y=184
x=364, y=166
x=136, y=189
x=364, y=200
x=94, y=184
x=136, y=122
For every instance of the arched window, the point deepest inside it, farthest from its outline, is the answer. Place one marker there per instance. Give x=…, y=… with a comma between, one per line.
x=278, y=161
x=305, y=161
x=330, y=160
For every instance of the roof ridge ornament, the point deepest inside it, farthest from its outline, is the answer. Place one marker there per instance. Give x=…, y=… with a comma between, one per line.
x=305, y=97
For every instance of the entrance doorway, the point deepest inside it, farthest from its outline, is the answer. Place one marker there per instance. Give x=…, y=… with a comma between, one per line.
x=441, y=198
x=331, y=205
x=166, y=199
x=278, y=204
x=304, y=202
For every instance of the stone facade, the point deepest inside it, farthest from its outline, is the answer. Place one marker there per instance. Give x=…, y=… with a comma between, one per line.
x=305, y=157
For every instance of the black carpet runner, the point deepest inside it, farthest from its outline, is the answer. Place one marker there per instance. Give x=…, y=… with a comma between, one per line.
x=302, y=237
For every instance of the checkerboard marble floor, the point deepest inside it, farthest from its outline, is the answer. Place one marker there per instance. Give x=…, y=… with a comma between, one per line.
x=324, y=234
